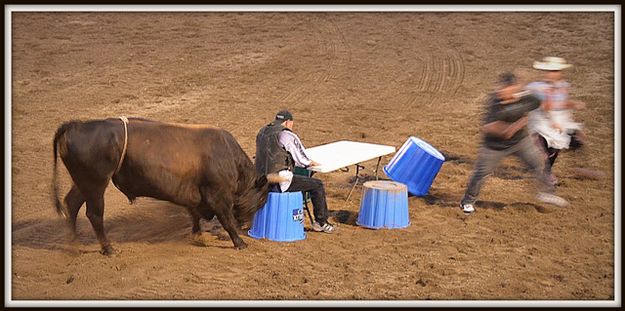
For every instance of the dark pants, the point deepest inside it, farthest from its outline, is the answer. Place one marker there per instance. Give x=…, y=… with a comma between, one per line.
x=552, y=153
x=313, y=186
x=488, y=160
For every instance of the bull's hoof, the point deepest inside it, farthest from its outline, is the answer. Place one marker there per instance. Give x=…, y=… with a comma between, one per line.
x=241, y=245
x=107, y=251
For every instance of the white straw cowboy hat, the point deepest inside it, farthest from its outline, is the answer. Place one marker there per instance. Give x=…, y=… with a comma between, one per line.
x=552, y=63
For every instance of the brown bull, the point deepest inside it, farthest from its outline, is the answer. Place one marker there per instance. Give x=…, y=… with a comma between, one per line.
x=201, y=168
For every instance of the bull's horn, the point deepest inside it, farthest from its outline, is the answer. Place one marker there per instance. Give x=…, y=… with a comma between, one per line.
x=274, y=178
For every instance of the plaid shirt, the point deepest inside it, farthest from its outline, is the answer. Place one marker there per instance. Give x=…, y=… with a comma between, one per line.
x=554, y=94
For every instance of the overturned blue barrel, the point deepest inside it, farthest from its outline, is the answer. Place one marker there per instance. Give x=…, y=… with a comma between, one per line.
x=416, y=164
x=384, y=204
x=280, y=219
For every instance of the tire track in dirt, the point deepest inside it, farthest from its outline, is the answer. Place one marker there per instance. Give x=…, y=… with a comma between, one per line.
x=441, y=75
x=331, y=48
x=442, y=72
x=439, y=72
x=336, y=47
x=302, y=82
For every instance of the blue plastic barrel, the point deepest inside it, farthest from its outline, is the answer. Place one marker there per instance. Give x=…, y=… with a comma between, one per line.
x=416, y=164
x=384, y=204
x=280, y=219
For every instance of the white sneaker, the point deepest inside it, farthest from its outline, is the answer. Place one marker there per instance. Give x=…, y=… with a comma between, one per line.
x=467, y=208
x=552, y=199
x=327, y=227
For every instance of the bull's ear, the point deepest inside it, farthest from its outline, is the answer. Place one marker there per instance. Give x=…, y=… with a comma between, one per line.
x=261, y=181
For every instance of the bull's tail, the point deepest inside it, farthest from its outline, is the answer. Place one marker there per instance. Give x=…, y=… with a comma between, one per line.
x=275, y=178
x=60, y=209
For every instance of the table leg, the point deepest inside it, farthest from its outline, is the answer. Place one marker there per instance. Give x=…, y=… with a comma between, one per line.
x=350, y=192
x=377, y=166
x=355, y=182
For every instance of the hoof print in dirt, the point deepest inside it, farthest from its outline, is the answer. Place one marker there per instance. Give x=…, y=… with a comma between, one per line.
x=199, y=240
x=108, y=251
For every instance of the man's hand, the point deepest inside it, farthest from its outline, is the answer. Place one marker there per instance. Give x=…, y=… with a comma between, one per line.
x=504, y=129
x=314, y=163
x=520, y=123
x=515, y=127
x=557, y=127
x=576, y=104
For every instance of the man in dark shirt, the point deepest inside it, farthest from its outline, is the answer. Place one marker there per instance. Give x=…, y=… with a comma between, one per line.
x=505, y=133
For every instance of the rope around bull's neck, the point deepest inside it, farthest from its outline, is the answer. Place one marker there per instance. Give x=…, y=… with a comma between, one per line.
x=121, y=159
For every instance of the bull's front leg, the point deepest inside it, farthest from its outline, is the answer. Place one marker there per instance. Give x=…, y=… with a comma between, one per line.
x=227, y=220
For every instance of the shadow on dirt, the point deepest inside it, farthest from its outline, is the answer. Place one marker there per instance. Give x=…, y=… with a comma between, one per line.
x=504, y=171
x=539, y=208
x=363, y=178
x=345, y=217
x=490, y=205
x=513, y=172
x=437, y=199
x=457, y=158
x=520, y=205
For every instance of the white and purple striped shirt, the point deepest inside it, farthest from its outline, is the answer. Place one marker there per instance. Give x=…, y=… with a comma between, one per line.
x=294, y=146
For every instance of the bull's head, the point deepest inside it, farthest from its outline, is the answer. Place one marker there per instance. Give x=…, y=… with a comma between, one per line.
x=254, y=199
x=264, y=184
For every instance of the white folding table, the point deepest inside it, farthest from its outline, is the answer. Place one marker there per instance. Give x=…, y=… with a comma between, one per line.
x=342, y=154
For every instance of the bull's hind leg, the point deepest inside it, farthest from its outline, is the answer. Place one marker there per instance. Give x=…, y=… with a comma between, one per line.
x=195, y=217
x=73, y=201
x=196, y=233
x=95, y=213
x=197, y=236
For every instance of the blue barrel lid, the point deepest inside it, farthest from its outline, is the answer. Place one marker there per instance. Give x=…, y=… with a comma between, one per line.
x=427, y=148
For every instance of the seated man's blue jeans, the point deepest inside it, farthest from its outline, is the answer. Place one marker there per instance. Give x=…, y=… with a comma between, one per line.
x=317, y=192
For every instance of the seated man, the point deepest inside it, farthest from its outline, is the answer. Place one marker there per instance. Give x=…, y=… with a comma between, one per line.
x=279, y=150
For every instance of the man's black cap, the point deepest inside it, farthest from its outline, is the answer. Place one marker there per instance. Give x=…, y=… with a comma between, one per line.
x=284, y=115
x=507, y=78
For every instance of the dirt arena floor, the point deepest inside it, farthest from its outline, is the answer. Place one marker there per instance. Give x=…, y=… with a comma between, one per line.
x=370, y=77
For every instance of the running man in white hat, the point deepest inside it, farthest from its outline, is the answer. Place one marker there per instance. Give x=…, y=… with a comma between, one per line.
x=553, y=125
